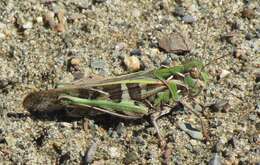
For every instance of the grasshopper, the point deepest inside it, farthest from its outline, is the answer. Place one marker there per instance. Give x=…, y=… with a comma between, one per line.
x=130, y=96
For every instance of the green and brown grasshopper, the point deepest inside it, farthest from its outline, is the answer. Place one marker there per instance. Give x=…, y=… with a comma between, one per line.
x=130, y=96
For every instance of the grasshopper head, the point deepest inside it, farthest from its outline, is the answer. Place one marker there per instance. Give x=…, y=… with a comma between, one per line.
x=196, y=79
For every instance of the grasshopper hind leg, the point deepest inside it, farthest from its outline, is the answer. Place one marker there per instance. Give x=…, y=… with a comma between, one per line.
x=154, y=117
x=157, y=114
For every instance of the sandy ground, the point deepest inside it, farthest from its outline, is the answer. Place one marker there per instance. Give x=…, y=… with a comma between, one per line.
x=39, y=39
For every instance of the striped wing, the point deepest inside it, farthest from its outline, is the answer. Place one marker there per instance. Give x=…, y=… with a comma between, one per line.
x=48, y=100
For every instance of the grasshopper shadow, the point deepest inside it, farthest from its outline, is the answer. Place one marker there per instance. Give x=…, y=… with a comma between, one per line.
x=106, y=121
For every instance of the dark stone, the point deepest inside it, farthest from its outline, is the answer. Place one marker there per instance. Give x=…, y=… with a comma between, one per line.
x=98, y=1
x=249, y=36
x=167, y=61
x=179, y=11
x=136, y=52
x=189, y=19
x=219, y=105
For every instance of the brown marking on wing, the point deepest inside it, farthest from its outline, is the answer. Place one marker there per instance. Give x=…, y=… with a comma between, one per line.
x=115, y=92
x=134, y=91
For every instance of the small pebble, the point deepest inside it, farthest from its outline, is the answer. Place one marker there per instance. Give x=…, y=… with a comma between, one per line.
x=256, y=139
x=99, y=1
x=61, y=17
x=198, y=108
x=132, y=63
x=4, y=83
x=90, y=154
x=239, y=53
x=98, y=64
x=10, y=140
x=140, y=140
x=47, y=1
x=258, y=33
x=120, y=129
x=179, y=11
x=2, y=35
x=193, y=143
x=257, y=28
x=189, y=19
x=59, y=27
x=120, y=46
x=233, y=142
x=224, y=73
x=136, y=52
x=167, y=61
x=64, y=158
x=248, y=13
x=249, y=36
x=243, y=162
x=130, y=157
x=2, y=140
x=19, y=21
x=174, y=56
x=258, y=107
x=252, y=117
x=193, y=133
x=75, y=17
x=65, y=124
x=78, y=75
x=217, y=147
x=136, y=13
x=27, y=25
x=74, y=64
x=49, y=19
x=74, y=125
x=236, y=25
x=113, y=152
x=215, y=160
x=2, y=26
x=255, y=45
x=39, y=20
x=219, y=105
x=75, y=61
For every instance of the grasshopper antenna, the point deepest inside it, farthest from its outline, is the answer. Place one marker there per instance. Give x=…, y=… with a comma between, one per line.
x=215, y=59
x=205, y=48
x=206, y=43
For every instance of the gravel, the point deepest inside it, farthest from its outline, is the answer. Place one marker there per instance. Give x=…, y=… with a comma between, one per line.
x=39, y=38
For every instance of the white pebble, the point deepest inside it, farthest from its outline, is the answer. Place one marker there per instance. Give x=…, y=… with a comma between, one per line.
x=39, y=19
x=2, y=36
x=113, y=152
x=224, y=73
x=27, y=25
x=120, y=46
